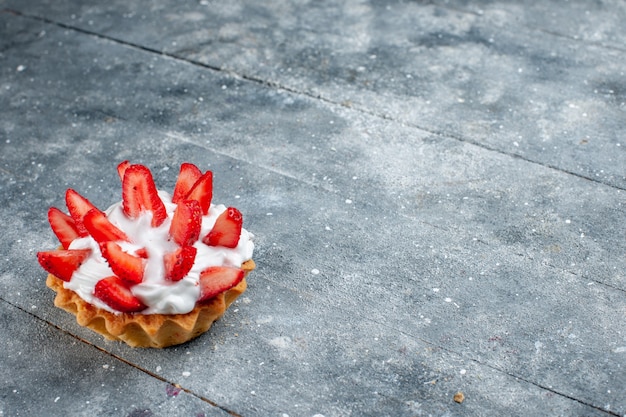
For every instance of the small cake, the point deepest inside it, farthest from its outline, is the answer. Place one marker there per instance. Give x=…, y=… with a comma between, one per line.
x=153, y=270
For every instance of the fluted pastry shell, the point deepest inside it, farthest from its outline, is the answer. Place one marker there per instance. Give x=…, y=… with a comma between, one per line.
x=147, y=330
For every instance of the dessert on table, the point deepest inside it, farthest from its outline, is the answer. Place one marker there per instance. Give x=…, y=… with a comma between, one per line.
x=155, y=269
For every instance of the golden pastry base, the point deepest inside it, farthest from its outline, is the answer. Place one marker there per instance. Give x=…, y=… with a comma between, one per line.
x=147, y=330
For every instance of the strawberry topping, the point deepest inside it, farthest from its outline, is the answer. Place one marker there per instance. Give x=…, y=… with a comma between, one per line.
x=217, y=279
x=186, y=223
x=121, y=169
x=101, y=229
x=192, y=195
x=139, y=194
x=187, y=177
x=62, y=263
x=226, y=230
x=78, y=207
x=63, y=226
x=178, y=263
x=142, y=253
x=114, y=293
x=202, y=191
x=126, y=266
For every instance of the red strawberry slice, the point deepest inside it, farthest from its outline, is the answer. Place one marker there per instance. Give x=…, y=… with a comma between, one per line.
x=202, y=191
x=178, y=263
x=217, y=279
x=63, y=226
x=121, y=169
x=142, y=253
x=78, y=207
x=186, y=223
x=62, y=263
x=227, y=229
x=187, y=177
x=101, y=229
x=114, y=293
x=126, y=266
x=139, y=194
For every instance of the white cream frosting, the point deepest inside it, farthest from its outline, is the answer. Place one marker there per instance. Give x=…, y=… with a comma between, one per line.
x=160, y=295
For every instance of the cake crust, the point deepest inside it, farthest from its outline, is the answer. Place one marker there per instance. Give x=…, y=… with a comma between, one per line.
x=148, y=330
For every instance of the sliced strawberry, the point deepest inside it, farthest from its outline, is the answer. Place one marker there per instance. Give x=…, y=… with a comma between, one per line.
x=202, y=191
x=187, y=177
x=178, y=263
x=78, y=207
x=121, y=169
x=142, y=253
x=217, y=279
x=186, y=223
x=63, y=226
x=139, y=194
x=226, y=230
x=126, y=266
x=114, y=293
x=62, y=263
x=101, y=229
